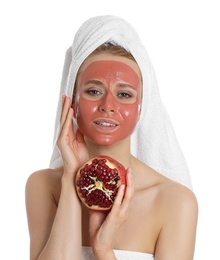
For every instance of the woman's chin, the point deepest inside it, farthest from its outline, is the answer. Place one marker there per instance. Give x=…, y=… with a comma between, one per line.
x=104, y=140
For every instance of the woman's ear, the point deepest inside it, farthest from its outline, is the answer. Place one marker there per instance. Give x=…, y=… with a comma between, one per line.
x=139, y=112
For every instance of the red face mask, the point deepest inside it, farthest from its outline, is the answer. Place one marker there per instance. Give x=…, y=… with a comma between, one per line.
x=107, y=102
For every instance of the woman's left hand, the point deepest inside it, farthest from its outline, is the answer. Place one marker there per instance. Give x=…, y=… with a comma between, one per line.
x=103, y=226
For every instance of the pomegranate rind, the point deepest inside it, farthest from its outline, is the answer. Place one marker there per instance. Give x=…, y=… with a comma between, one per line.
x=100, y=187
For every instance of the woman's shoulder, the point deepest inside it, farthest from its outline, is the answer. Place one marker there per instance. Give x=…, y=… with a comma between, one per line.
x=174, y=198
x=177, y=194
x=45, y=181
x=164, y=191
x=46, y=176
x=172, y=202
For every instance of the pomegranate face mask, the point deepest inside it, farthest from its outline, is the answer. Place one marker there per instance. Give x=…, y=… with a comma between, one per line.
x=107, y=101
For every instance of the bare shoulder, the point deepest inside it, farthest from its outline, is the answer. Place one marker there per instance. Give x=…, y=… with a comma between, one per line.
x=162, y=189
x=45, y=174
x=178, y=210
x=170, y=199
x=169, y=192
x=45, y=181
x=177, y=196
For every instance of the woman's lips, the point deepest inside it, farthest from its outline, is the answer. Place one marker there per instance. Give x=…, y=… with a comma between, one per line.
x=105, y=125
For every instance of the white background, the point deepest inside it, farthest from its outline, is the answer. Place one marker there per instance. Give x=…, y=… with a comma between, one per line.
x=182, y=38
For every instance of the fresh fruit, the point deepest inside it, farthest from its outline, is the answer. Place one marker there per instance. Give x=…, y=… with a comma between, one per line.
x=98, y=180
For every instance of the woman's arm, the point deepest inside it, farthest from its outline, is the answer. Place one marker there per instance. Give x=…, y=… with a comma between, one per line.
x=55, y=230
x=177, y=237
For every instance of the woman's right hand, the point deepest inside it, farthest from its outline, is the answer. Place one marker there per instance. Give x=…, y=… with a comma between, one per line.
x=72, y=146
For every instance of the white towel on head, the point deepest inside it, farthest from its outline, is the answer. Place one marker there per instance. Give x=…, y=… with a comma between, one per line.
x=154, y=141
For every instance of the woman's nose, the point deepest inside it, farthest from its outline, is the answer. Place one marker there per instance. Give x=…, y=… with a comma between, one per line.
x=108, y=104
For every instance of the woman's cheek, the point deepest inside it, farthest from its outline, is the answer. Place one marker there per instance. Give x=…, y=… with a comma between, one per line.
x=130, y=114
x=85, y=112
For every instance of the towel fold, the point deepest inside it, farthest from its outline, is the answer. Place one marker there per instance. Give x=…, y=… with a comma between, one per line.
x=153, y=141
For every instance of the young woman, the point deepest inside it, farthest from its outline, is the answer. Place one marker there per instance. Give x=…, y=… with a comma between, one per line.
x=110, y=91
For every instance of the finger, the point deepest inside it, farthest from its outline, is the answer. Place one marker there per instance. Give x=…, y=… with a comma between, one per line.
x=129, y=190
x=67, y=129
x=119, y=197
x=116, y=215
x=63, y=101
x=65, y=110
x=66, y=133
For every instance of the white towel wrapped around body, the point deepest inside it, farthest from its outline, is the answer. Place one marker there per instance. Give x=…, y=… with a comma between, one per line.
x=153, y=141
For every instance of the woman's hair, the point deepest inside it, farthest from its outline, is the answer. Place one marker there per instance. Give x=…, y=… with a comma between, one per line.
x=112, y=49
x=108, y=48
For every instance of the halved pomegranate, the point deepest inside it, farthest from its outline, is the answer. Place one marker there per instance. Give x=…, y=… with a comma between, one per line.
x=98, y=180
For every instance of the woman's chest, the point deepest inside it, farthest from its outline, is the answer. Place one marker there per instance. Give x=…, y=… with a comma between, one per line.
x=140, y=230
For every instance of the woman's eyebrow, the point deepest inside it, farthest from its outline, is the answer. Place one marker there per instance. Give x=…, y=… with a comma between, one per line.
x=124, y=85
x=94, y=82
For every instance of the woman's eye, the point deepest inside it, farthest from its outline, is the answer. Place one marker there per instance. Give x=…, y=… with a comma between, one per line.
x=124, y=95
x=93, y=92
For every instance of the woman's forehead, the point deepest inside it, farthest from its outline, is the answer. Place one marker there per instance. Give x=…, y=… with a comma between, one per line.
x=109, y=57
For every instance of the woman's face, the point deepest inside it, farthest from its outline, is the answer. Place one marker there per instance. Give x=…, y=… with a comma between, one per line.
x=108, y=98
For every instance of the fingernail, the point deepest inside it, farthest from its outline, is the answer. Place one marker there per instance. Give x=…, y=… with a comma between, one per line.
x=129, y=172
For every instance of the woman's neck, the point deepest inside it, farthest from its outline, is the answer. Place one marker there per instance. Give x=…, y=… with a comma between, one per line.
x=119, y=151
